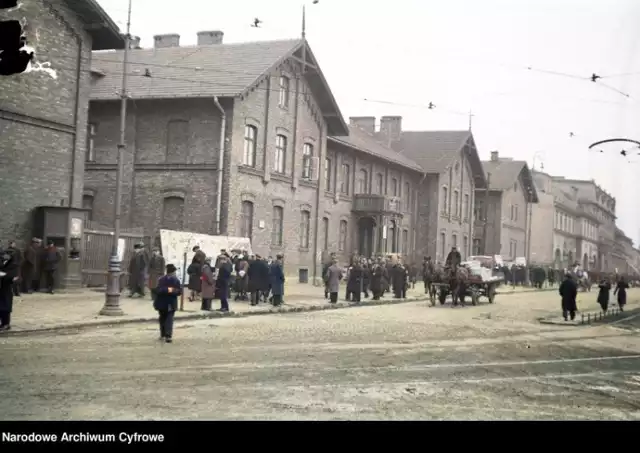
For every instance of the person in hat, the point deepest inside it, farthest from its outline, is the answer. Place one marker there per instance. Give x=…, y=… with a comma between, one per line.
x=208, y=287
x=137, y=271
x=9, y=270
x=276, y=278
x=157, y=266
x=569, y=291
x=166, y=302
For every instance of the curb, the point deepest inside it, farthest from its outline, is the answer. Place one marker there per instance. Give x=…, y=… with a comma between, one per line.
x=596, y=318
x=232, y=314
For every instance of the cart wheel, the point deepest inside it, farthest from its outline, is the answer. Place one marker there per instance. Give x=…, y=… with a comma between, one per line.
x=474, y=298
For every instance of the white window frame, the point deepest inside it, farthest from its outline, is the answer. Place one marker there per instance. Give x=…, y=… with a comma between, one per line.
x=280, y=156
x=250, y=145
x=285, y=87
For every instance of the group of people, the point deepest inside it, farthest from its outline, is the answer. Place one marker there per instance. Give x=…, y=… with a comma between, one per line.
x=23, y=273
x=569, y=292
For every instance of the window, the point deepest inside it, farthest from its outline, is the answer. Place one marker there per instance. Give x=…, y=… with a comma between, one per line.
x=465, y=207
x=478, y=211
x=246, y=219
x=276, y=226
x=363, y=182
x=305, y=225
x=513, y=248
x=407, y=196
x=250, y=140
x=346, y=176
x=456, y=203
x=443, y=245
x=394, y=187
x=327, y=174
x=379, y=184
x=325, y=231
x=307, y=154
x=405, y=242
x=476, y=246
x=454, y=240
x=391, y=237
x=514, y=212
x=465, y=247
x=284, y=92
x=87, y=203
x=342, y=243
x=91, y=151
x=445, y=200
x=173, y=213
x=281, y=153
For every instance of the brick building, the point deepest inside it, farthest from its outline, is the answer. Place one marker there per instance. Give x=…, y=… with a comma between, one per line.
x=505, y=206
x=43, y=115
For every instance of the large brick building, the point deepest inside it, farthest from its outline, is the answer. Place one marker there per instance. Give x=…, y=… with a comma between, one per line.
x=504, y=208
x=43, y=115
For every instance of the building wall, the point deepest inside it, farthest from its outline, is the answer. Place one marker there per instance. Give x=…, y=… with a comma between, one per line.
x=542, y=222
x=513, y=234
x=429, y=207
x=42, y=146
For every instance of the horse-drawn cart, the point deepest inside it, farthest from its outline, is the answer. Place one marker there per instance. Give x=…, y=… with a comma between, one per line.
x=468, y=280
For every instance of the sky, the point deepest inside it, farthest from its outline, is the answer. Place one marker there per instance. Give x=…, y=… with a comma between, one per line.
x=394, y=58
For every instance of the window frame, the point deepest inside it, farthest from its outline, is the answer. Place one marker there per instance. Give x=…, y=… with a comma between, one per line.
x=342, y=238
x=277, y=228
x=285, y=91
x=280, y=155
x=90, y=152
x=305, y=228
x=250, y=150
x=345, y=180
x=307, y=158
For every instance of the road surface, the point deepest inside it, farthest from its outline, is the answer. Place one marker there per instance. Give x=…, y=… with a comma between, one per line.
x=398, y=362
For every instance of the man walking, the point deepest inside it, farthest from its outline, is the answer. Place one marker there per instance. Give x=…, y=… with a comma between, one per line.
x=166, y=302
x=568, y=291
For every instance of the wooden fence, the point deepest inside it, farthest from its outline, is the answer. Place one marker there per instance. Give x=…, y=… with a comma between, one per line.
x=98, y=240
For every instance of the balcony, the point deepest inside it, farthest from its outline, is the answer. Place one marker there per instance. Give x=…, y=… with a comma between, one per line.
x=377, y=204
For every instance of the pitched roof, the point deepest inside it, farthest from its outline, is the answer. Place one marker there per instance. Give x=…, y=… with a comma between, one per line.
x=362, y=141
x=434, y=151
x=104, y=32
x=223, y=70
x=505, y=172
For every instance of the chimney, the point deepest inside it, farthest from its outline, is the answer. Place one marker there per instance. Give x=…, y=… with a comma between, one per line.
x=391, y=127
x=170, y=40
x=134, y=42
x=366, y=123
x=495, y=157
x=206, y=38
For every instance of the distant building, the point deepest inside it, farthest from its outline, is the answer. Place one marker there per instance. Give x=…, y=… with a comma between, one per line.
x=43, y=115
x=506, y=203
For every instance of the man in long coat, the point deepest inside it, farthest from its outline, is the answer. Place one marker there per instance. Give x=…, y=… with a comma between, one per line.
x=276, y=278
x=399, y=276
x=51, y=258
x=17, y=258
x=354, y=282
x=569, y=291
x=137, y=271
x=333, y=276
x=30, y=266
x=157, y=267
x=258, y=273
x=377, y=283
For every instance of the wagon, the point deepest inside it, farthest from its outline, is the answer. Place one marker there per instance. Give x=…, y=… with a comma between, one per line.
x=477, y=287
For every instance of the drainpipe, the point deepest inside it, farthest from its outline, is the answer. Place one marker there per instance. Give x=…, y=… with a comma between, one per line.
x=319, y=190
x=76, y=119
x=220, y=171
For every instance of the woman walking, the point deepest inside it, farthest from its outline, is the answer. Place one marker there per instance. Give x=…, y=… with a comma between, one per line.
x=621, y=291
x=166, y=302
x=208, y=285
x=603, y=294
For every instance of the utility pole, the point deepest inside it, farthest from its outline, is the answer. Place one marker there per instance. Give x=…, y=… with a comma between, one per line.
x=485, y=226
x=112, y=299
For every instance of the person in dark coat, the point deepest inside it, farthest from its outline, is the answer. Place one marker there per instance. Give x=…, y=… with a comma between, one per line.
x=208, y=286
x=333, y=277
x=194, y=271
x=242, y=279
x=354, y=282
x=428, y=271
x=157, y=268
x=50, y=261
x=137, y=271
x=377, y=283
x=9, y=270
x=453, y=258
x=17, y=258
x=258, y=273
x=276, y=278
x=603, y=294
x=621, y=292
x=399, y=276
x=366, y=277
x=30, y=260
x=166, y=302
x=569, y=291
x=222, y=282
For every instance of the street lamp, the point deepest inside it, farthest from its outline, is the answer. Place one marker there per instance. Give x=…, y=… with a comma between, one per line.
x=112, y=298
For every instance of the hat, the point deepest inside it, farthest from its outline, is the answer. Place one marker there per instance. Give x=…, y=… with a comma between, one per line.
x=197, y=247
x=171, y=269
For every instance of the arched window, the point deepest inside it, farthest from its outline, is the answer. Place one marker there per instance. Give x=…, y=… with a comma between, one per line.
x=342, y=243
x=173, y=213
x=246, y=220
x=391, y=237
x=445, y=200
x=307, y=154
x=87, y=203
x=250, y=146
x=305, y=226
x=363, y=182
x=276, y=226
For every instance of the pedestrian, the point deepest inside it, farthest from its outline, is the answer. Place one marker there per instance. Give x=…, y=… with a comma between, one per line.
x=208, y=285
x=222, y=282
x=568, y=291
x=51, y=260
x=354, y=283
x=194, y=271
x=157, y=266
x=603, y=294
x=377, y=280
x=17, y=258
x=399, y=281
x=333, y=277
x=137, y=271
x=166, y=302
x=30, y=261
x=276, y=278
x=9, y=271
x=366, y=277
x=621, y=292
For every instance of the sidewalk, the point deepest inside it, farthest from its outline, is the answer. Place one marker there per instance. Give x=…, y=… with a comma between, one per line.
x=78, y=309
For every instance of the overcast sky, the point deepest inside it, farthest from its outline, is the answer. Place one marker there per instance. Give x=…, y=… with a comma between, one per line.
x=461, y=55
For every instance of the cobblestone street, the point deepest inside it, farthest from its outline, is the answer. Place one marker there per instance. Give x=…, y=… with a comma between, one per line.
x=405, y=361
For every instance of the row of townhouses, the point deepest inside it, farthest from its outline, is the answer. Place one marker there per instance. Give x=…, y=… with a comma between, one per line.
x=248, y=140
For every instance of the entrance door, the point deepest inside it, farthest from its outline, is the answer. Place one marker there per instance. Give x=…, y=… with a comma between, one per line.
x=365, y=233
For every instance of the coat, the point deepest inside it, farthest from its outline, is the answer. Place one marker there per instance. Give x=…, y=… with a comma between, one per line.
x=333, y=277
x=258, y=273
x=223, y=279
x=276, y=278
x=242, y=282
x=603, y=293
x=168, y=290
x=621, y=291
x=208, y=286
x=11, y=269
x=569, y=291
x=50, y=259
x=399, y=277
x=156, y=270
x=377, y=277
x=137, y=270
x=355, y=281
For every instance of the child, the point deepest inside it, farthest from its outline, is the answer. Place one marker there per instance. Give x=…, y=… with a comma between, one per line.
x=166, y=301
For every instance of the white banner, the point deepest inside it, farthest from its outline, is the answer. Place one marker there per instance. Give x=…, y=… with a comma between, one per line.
x=176, y=243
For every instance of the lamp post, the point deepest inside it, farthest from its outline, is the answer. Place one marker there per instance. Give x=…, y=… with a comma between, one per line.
x=112, y=299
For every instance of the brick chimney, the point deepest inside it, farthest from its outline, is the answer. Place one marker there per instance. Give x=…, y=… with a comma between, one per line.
x=495, y=157
x=391, y=127
x=366, y=123
x=134, y=42
x=206, y=38
x=169, y=40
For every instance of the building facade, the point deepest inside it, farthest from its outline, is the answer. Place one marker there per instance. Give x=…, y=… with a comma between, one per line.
x=43, y=113
x=502, y=213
